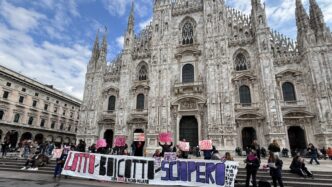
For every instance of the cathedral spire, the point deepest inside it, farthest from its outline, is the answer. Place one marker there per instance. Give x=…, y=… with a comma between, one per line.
x=95, y=50
x=302, y=23
x=258, y=14
x=131, y=19
x=302, y=18
x=316, y=18
x=103, y=50
x=129, y=36
x=255, y=3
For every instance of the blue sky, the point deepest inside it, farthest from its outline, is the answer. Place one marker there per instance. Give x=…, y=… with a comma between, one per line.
x=51, y=40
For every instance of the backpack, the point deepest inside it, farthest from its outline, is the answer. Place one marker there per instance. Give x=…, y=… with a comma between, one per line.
x=264, y=183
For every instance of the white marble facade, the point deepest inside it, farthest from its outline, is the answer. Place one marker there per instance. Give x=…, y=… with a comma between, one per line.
x=191, y=64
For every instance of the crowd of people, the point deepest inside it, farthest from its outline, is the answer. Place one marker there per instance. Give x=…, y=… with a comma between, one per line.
x=38, y=154
x=275, y=164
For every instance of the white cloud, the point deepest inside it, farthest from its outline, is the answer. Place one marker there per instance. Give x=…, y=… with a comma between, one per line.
x=120, y=41
x=143, y=24
x=62, y=66
x=116, y=7
x=120, y=7
x=20, y=18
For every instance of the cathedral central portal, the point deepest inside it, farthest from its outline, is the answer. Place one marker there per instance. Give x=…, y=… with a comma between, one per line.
x=189, y=130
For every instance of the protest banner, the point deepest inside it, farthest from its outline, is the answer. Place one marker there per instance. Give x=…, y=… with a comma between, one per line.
x=165, y=137
x=170, y=156
x=157, y=162
x=205, y=145
x=184, y=146
x=120, y=141
x=140, y=170
x=139, y=137
x=57, y=153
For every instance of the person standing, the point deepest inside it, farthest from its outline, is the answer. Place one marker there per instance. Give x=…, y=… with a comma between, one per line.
x=4, y=146
x=275, y=165
x=257, y=148
x=185, y=153
x=208, y=154
x=313, y=153
x=139, y=148
x=274, y=147
x=81, y=146
x=166, y=147
x=252, y=165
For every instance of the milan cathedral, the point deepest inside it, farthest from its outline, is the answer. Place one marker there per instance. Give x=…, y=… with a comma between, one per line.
x=203, y=70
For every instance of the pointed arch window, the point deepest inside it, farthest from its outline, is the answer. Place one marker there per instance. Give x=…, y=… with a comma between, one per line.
x=241, y=62
x=187, y=34
x=143, y=73
x=16, y=118
x=188, y=74
x=288, y=91
x=140, y=102
x=245, y=96
x=111, y=103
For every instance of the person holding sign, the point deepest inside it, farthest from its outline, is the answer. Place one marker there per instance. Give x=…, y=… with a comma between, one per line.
x=275, y=165
x=207, y=148
x=184, y=148
x=165, y=142
x=60, y=162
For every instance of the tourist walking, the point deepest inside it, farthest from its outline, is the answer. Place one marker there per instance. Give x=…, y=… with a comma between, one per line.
x=298, y=167
x=313, y=153
x=252, y=165
x=274, y=147
x=275, y=165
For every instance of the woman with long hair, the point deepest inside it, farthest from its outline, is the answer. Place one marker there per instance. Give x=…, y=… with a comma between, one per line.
x=275, y=165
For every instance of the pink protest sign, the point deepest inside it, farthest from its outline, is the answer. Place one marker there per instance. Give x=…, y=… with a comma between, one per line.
x=101, y=143
x=120, y=141
x=57, y=153
x=184, y=146
x=165, y=137
x=139, y=137
x=205, y=145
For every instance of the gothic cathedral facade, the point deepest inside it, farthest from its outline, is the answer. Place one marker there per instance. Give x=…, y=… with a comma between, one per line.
x=202, y=70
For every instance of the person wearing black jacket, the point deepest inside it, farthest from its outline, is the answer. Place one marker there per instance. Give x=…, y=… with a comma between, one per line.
x=252, y=165
x=313, y=153
x=166, y=147
x=275, y=165
x=298, y=167
x=274, y=147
